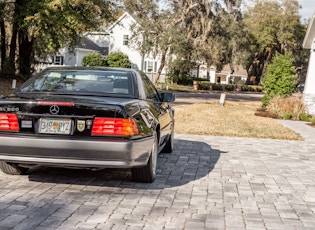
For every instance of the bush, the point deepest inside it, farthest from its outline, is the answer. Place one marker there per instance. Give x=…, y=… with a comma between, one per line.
x=93, y=59
x=203, y=85
x=229, y=87
x=183, y=79
x=304, y=117
x=287, y=107
x=279, y=79
x=217, y=86
x=118, y=59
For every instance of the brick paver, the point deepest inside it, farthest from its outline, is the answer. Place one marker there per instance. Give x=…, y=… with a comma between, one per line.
x=206, y=183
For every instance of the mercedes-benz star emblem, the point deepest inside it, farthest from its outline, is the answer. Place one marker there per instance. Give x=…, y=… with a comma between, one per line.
x=54, y=109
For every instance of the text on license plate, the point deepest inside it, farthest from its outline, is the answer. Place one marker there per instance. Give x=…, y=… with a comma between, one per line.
x=55, y=126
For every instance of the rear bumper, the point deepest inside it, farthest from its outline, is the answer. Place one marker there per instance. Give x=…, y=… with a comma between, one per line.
x=99, y=153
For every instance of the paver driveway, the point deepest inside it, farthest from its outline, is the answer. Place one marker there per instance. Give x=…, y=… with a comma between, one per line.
x=206, y=183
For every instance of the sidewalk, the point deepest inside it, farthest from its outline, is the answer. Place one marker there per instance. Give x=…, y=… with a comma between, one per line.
x=300, y=127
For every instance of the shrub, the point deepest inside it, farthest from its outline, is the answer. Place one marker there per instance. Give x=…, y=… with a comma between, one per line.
x=245, y=88
x=203, y=85
x=258, y=88
x=229, y=87
x=287, y=107
x=93, y=59
x=304, y=117
x=279, y=79
x=183, y=79
x=217, y=86
x=118, y=59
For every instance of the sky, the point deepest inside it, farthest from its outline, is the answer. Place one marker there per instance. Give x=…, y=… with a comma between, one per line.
x=308, y=9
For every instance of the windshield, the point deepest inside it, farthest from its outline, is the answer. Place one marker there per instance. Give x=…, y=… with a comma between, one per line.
x=80, y=81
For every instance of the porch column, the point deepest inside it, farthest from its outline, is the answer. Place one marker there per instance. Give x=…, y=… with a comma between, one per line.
x=309, y=88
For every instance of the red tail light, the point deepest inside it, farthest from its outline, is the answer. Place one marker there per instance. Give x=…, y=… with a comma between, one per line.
x=114, y=127
x=9, y=122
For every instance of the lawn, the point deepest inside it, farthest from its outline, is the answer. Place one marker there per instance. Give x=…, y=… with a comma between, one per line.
x=234, y=119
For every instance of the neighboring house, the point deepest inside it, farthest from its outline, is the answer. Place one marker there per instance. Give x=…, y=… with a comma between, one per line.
x=226, y=76
x=115, y=38
x=309, y=89
x=74, y=57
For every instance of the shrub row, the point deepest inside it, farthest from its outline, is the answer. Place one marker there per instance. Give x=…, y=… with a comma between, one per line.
x=205, y=85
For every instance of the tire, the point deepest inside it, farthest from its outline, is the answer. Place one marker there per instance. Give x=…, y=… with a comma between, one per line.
x=169, y=146
x=147, y=173
x=12, y=169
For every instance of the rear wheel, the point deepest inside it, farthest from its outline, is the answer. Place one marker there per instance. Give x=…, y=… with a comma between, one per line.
x=147, y=173
x=11, y=168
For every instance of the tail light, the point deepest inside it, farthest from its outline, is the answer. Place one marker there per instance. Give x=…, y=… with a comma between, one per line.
x=114, y=127
x=9, y=122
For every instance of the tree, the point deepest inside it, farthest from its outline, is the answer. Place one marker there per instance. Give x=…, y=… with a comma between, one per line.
x=194, y=31
x=93, y=59
x=179, y=22
x=279, y=79
x=118, y=59
x=275, y=27
x=40, y=28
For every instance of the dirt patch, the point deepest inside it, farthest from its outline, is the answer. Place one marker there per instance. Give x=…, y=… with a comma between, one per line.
x=6, y=86
x=265, y=113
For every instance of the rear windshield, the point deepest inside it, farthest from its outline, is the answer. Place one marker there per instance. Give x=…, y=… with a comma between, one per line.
x=80, y=81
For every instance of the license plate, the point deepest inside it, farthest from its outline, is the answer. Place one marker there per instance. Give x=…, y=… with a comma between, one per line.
x=55, y=126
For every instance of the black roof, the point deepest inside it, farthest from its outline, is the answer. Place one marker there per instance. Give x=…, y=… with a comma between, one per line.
x=86, y=43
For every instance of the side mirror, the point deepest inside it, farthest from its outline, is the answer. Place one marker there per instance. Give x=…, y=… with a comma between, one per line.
x=168, y=97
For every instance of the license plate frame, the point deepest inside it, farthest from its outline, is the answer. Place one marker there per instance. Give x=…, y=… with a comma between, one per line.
x=59, y=126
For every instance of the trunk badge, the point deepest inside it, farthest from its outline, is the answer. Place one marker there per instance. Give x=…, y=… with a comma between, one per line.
x=80, y=125
x=54, y=109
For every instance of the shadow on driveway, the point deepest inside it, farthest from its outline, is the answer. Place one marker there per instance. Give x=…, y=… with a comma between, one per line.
x=190, y=161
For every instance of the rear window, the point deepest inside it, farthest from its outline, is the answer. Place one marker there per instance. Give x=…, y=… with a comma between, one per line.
x=72, y=81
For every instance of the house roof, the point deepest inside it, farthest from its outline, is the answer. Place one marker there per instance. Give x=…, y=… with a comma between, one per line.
x=239, y=70
x=126, y=14
x=86, y=43
x=310, y=34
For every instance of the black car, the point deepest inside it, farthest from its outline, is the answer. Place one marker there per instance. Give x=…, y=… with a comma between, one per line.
x=86, y=117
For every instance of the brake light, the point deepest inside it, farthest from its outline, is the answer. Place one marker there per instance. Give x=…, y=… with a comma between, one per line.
x=9, y=122
x=114, y=127
x=60, y=103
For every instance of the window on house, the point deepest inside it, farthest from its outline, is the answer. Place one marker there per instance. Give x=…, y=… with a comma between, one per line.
x=155, y=67
x=150, y=66
x=125, y=40
x=58, y=60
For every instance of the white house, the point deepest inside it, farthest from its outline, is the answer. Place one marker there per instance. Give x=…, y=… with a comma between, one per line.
x=309, y=89
x=119, y=40
x=114, y=38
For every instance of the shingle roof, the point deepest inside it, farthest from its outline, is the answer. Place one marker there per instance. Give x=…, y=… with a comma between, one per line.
x=86, y=43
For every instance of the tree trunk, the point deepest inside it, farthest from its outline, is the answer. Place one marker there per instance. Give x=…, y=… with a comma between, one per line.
x=11, y=60
x=2, y=44
x=163, y=60
x=267, y=61
x=11, y=68
x=25, y=54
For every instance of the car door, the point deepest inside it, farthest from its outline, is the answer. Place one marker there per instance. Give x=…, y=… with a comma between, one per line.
x=160, y=108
